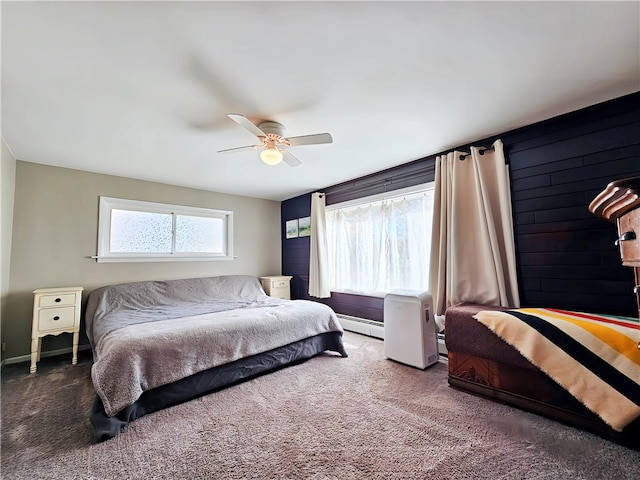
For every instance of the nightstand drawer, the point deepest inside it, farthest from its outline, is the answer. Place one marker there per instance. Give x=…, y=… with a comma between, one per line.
x=56, y=318
x=283, y=293
x=629, y=238
x=57, y=300
x=280, y=284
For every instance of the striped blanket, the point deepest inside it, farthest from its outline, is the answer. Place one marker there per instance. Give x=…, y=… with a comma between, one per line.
x=596, y=358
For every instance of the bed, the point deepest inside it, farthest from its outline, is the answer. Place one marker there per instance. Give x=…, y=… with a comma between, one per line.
x=482, y=362
x=159, y=343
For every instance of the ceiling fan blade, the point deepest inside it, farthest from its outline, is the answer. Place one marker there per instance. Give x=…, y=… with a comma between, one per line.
x=246, y=123
x=311, y=139
x=239, y=148
x=290, y=159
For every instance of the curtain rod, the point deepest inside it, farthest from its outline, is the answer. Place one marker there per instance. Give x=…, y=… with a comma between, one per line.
x=482, y=150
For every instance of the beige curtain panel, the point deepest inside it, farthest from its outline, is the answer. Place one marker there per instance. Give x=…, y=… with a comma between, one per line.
x=472, y=247
x=318, y=260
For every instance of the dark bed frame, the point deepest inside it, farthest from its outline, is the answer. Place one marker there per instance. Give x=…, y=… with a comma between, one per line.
x=482, y=363
x=208, y=381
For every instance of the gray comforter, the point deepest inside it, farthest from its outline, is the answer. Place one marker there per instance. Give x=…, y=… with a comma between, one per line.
x=148, y=334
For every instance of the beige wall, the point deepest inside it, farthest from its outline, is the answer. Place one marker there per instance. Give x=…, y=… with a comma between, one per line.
x=7, y=184
x=55, y=232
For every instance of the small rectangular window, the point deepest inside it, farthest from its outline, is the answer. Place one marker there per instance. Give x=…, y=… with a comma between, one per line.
x=137, y=231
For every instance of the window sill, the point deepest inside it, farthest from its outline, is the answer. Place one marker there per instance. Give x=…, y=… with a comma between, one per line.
x=173, y=258
x=362, y=294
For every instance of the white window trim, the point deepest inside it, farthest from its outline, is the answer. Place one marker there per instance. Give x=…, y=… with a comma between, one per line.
x=104, y=230
x=379, y=197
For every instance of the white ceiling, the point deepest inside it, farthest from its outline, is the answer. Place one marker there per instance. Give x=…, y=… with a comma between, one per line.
x=142, y=89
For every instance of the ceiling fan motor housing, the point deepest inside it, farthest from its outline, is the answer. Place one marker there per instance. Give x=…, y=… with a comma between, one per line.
x=272, y=127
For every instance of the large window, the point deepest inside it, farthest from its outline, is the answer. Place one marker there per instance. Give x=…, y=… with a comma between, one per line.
x=136, y=231
x=381, y=243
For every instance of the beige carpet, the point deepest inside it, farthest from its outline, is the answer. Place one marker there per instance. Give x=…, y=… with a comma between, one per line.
x=362, y=417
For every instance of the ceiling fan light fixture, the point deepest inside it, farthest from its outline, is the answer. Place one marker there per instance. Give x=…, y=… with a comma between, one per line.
x=270, y=135
x=271, y=156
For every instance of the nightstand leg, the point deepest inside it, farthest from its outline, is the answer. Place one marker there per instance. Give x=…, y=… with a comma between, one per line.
x=35, y=344
x=39, y=347
x=76, y=336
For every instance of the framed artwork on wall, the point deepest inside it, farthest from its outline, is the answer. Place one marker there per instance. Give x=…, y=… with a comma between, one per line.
x=292, y=228
x=304, y=227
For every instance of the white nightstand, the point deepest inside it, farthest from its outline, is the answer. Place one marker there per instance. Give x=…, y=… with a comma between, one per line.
x=55, y=311
x=277, y=286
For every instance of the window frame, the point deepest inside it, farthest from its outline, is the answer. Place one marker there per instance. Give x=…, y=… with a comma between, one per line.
x=107, y=204
x=379, y=197
x=417, y=189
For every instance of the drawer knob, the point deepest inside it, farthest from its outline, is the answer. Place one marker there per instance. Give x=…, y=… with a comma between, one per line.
x=630, y=235
x=636, y=289
x=58, y=300
x=56, y=317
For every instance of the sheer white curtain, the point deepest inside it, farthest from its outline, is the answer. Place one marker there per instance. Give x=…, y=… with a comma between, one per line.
x=318, y=268
x=472, y=246
x=380, y=246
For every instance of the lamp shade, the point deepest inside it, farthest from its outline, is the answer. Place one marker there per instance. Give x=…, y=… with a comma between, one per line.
x=271, y=156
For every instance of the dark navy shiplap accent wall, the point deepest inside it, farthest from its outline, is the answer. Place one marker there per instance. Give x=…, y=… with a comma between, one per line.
x=295, y=251
x=566, y=256
x=402, y=176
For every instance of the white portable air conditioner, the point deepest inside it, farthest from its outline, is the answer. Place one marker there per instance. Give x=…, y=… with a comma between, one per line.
x=410, y=328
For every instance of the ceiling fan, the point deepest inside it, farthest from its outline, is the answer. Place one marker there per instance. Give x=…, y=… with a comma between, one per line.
x=273, y=143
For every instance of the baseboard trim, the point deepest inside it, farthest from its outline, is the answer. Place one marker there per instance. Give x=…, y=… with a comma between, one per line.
x=49, y=353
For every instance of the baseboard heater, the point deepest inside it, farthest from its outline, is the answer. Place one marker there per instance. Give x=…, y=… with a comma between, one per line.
x=375, y=329
x=362, y=326
x=442, y=348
